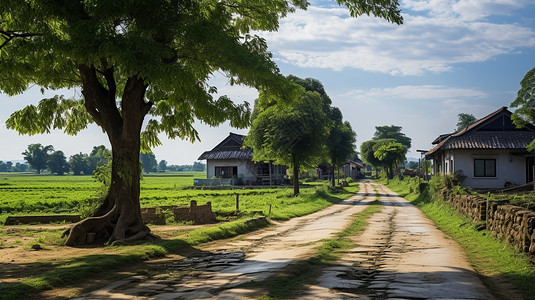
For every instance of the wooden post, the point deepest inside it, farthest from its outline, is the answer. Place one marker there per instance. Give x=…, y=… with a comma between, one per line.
x=487, y=211
x=269, y=214
x=237, y=202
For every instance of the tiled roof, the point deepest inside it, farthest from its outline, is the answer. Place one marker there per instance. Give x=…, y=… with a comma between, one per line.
x=490, y=140
x=472, y=138
x=229, y=148
x=235, y=154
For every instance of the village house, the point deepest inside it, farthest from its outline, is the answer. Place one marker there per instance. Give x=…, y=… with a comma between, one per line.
x=229, y=163
x=490, y=153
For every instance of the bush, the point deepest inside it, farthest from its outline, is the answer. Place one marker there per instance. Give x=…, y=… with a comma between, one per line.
x=449, y=181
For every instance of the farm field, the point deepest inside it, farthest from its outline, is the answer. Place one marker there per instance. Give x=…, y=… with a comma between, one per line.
x=44, y=194
x=59, y=266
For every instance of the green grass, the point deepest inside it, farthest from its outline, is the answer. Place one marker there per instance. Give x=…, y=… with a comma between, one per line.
x=68, y=271
x=26, y=195
x=489, y=256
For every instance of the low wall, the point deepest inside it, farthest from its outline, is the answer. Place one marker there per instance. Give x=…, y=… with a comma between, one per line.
x=198, y=214
x=513, y=223
x=46, y=219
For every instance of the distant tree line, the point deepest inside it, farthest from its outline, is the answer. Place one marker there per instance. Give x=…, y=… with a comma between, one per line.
x=40, y=158
x=9, y=167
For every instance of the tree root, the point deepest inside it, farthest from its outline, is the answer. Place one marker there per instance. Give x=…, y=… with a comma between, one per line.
x=113, y=228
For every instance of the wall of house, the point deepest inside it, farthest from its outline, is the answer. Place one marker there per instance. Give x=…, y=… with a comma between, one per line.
x=244, y=168
x=509, y=168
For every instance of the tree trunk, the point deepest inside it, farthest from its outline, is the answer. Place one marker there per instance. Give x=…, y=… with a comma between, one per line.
x=332, y=175
x=118, y=219
x=296, y=174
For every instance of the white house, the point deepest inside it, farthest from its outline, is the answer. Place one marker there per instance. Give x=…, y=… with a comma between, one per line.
x=491, y=153
x=230, y=160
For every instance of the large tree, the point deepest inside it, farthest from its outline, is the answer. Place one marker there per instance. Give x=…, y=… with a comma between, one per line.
x=291, y=134
x=392, y=132
x=37, y=156
x=340, y=144
x=368, y=148
x=525, y=101
x=137, y=58
x=391, y=155
x=57, y=163
x=79, y=164
x=149, y=162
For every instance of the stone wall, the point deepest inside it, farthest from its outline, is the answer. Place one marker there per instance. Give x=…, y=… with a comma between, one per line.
x=514, y=224
x=198, y=214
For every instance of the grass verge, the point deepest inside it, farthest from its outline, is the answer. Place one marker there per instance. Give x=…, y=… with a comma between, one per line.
x=494, y=259
x=50, y=274
x=284, y=285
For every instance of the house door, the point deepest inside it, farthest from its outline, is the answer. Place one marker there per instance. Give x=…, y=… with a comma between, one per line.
x=530, y=164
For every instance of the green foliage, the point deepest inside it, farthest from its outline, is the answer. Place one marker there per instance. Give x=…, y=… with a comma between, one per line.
x=465, y=120
x=99, y=156
x=368, y=148
x=340, y=143
x=37, y=156
x=392, y=132
x=525, y=101
x=79, y=164
x=102, y=174
x=391, y=155
x=448, y=181
x=289, y=132
x=57, y=163
x=148, y=161
x=81, y=194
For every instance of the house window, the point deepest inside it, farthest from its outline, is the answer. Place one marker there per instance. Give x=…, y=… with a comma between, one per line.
x=484, y=168
x=226, y=172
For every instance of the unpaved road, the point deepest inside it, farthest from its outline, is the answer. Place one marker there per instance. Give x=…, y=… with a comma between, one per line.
x=401, y=254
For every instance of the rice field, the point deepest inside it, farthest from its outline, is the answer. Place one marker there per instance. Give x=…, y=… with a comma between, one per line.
x=46, y=194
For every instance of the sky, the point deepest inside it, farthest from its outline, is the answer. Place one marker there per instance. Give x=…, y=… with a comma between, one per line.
x=449, y=57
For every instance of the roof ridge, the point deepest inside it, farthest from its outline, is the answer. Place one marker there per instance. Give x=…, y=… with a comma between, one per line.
x=480, y=121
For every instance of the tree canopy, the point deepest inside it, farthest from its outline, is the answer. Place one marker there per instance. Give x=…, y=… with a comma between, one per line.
x=368, y=148
x=137, y=58
x=148, y=160
x=465, y=120
x=391, y=155
x=291, y=134
x=525, y=101
x=57, y=163
x=37, y=156
x=392, y=132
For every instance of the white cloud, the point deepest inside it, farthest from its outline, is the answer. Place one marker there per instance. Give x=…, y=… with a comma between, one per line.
x=436, y=35
x=415, y=92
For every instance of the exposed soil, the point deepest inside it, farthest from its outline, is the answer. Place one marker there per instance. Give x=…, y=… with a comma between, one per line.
x=401, y=254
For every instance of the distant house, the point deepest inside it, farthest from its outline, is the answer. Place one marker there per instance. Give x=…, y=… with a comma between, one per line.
x=230, y=163
x=491, y=153
x=351, y=168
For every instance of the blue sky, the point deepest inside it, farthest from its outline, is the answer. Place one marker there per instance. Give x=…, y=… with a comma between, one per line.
x=449, y=57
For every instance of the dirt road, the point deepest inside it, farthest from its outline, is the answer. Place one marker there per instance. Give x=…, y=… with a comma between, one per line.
x=400, y=255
